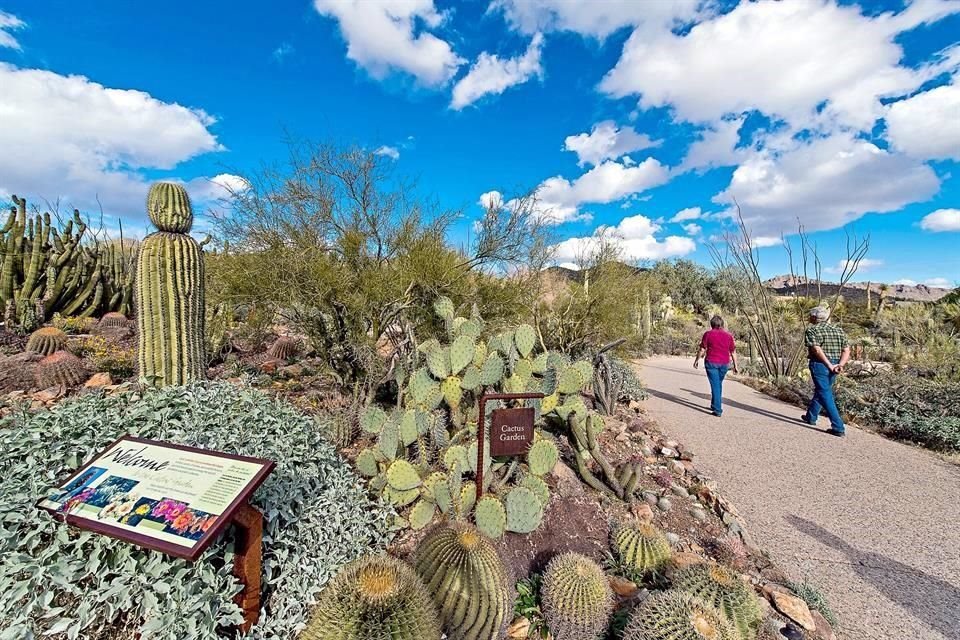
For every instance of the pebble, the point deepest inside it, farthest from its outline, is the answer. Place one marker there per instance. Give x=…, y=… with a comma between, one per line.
x=680, y=491
x=672, y=538
x=646, y=451
x=650, y=498
x=664, y=505
x=698, y=514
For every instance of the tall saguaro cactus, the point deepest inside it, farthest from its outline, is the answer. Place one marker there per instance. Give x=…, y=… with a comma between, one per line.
x=169, y=291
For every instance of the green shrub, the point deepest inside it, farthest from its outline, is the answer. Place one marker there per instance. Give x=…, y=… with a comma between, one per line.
x=814, y=599
x=56, y=579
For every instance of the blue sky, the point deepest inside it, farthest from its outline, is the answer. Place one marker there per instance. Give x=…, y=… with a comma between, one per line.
x=642, y=118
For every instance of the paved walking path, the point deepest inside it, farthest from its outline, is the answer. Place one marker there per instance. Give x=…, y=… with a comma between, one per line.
x=874, y=523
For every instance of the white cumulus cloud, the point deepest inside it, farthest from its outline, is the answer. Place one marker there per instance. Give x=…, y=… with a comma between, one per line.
x=826, y=183
x=71, y=138
x=491, y=199
x=690, y=213
x=940, y=283
x=394, y=35
x=606, y=141
x=927, y=125
x=799, y=60
x=941, y=220
x=390, y=152
x=610, y=181
x=491, y=74
x=596, y=19
x=866, y=264
x=692, y=229
x=8, y=23
x=716, y=146
x=634, y=236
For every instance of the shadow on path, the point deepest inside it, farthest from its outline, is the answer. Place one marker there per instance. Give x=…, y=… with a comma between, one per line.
x=757, y=410
x=678, y=400
x=932, y=600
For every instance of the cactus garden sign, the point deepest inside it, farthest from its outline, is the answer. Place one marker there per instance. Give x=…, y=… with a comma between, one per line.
x=511, y=430
x=170, y=498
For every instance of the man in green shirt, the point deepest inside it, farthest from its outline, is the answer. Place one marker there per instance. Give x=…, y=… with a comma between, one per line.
x=828, y=351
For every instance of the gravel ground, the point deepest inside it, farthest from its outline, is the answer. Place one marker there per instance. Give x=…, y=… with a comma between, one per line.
x=874, y=523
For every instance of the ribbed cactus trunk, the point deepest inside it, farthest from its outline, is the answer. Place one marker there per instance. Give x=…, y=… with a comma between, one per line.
x=169, y=292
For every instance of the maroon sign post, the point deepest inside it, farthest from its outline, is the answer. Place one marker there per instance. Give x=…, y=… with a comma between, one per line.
x=511, y=430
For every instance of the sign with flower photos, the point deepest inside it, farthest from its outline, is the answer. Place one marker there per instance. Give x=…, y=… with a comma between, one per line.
x=168, y=497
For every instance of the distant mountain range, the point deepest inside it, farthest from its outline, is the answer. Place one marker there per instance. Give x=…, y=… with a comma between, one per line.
x=857, y=291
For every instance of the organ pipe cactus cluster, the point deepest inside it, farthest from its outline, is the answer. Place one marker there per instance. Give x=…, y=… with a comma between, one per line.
x=467, y=579
x=577, y=598
x=723, y=589
x=47, y=268
x=170, y=291
x=374, y=598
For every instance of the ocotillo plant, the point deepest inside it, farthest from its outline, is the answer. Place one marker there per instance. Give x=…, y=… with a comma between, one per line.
x=170, y=294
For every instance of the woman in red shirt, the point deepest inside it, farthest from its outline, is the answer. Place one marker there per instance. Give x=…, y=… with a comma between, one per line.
x=718, y=349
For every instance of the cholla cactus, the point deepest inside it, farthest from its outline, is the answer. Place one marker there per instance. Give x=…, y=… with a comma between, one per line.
x=641, y=546
x=170, y=294
x=374, y=598
x=677, y=615
x=61, y=368
x=46, y=340
x=467, y=580
x=724, y=590
x=577, y=598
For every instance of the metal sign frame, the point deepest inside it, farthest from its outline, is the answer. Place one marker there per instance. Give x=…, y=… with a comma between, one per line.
x=482, y=423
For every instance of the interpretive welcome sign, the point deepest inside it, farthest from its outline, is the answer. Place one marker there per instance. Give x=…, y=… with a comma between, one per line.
x=161, y=496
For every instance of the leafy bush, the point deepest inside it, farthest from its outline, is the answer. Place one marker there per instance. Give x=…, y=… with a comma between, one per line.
x=57, y=580
x=678, y=336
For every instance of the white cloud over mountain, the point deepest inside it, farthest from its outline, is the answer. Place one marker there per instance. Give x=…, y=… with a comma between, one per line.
x=634, y=236
x=390, y=35
x=491, y=74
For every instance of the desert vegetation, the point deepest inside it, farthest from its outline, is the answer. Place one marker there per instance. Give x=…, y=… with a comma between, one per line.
x=331, y=326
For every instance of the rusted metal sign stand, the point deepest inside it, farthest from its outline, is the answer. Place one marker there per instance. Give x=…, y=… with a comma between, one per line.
x=248, y=561
x=482, y=421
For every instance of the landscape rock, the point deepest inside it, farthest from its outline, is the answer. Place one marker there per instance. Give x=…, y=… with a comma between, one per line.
x=568, y=484
x=663, y=504
x=98, y=380
x=794, y=608
x=623, y=587
x=650, y=498
x=680, y=491
x=672, y=538
x=683, y=559
x=47, y=396
x=698, y=514
x=823, y=629
x=642, y=511
x=519, y=628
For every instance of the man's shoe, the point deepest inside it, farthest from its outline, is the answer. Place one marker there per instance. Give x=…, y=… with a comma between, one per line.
x=806, y=420
x=839, y=434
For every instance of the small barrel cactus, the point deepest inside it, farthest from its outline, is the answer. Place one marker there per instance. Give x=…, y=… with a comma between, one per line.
x=374, y=598
x=46, y=340
x=467, y=579
x=641, y=546
x=723, y=589
x=284, y=348
x=169, y=292
x=577, y=598
x=677, y=615
x=60, y=368
x=114, y=320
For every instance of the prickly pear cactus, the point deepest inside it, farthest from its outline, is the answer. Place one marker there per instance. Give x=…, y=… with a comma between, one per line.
x=542, y=457
x=374, y=598
x=467, y=580
x=677, y=615
x=524, y=510
x=170, y=292
x=577, y=598
x=724, y=590
x=641, y=546
x=490, y=516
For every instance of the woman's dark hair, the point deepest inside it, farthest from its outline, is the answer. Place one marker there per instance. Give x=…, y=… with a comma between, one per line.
x=716, y=322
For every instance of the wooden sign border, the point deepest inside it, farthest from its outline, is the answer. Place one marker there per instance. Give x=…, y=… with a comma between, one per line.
x=177, y=551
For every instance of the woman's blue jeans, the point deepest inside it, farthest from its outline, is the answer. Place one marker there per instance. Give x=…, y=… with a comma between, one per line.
x=823, y=399
x=715, y=374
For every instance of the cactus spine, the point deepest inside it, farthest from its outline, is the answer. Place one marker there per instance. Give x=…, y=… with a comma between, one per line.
x=642, y=547
x=677, y=615
x=170, y=294
x=46, y=341
x=374, y=598
x=467, y=579
x=577, y=598
x=724, y=590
